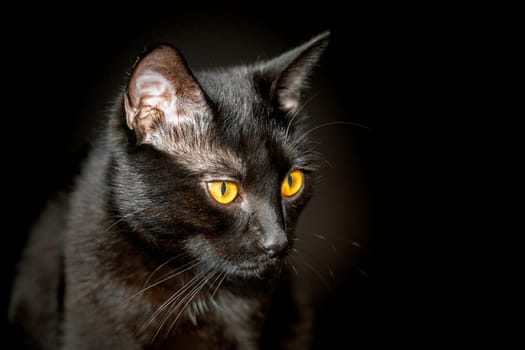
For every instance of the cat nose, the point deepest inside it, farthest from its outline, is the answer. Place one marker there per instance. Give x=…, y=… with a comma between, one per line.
x=275, y=242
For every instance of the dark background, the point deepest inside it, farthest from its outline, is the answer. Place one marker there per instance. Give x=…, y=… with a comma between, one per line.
x=63, y=77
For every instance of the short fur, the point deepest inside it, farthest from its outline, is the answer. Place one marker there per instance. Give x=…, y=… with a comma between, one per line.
x=150, y=259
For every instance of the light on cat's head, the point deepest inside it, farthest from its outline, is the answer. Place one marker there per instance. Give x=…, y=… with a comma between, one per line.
x=224, y=192
x=292, y=184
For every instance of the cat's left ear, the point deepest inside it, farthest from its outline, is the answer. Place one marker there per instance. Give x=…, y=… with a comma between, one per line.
x=290, y=71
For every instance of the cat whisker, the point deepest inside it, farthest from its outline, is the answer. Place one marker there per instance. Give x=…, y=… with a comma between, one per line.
x=212, y=283
x=315, y=262
x=171, y=299
x=297, y=112
x=356, y=266
x=330, y=124
x=353, y=264
x=121, y=218
x=286, y=133
x=294, y=268
x=363, y=272
x=192, y=296
x=164, y=264
x=223, y=274
x=177, y=301
x=218, y=276
x=359, y=245
x=324, y=238
x=315, y=157
x=316, y=273
x=186, y=267
x=314, y=268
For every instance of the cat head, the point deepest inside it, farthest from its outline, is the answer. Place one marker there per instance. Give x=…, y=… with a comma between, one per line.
x=214, y=166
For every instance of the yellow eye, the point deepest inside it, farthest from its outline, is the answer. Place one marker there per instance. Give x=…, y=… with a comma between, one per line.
x=223, y=192
x=292, y=183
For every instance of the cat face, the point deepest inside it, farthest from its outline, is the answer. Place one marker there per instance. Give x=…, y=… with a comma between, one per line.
x=215, y=166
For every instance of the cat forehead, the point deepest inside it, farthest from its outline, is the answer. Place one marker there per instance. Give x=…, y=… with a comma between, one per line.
x=233, y=92
x=242, y=107
x=208, y=149
x=238, y=133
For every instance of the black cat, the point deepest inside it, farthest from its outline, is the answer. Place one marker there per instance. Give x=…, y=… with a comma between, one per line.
x=176, y=233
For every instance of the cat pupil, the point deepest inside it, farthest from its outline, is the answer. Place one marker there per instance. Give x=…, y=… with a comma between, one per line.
x=223, y=188
x=290, y=180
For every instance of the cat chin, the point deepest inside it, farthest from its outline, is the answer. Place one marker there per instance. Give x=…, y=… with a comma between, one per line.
x=260, y=270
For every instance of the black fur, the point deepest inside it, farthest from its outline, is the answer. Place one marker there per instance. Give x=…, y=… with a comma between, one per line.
x=137, y=206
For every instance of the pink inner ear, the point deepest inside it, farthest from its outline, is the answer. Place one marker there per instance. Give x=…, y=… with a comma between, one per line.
x=154, y=91
x=152, y=84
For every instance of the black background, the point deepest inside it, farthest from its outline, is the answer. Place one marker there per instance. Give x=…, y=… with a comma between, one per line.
x=63, y=77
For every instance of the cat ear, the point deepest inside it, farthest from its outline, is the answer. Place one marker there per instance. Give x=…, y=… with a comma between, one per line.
x=290, y=72
x=161, y=92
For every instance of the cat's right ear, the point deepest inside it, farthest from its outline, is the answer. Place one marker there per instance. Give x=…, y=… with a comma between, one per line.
x=289, y=72
x=161, y=92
